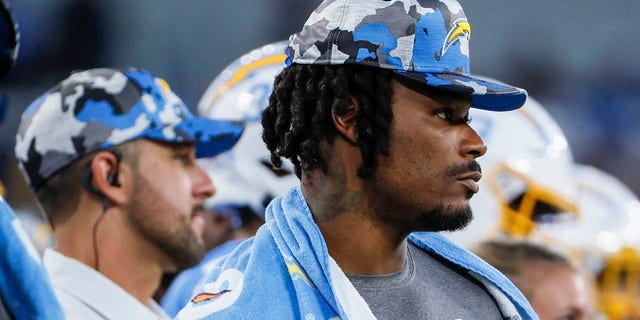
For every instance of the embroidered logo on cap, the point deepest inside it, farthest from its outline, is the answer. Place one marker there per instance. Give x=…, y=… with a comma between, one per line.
x=461, y=29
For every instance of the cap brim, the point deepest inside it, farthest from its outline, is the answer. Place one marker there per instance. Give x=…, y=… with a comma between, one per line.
x=486, y=95
x=211, y=137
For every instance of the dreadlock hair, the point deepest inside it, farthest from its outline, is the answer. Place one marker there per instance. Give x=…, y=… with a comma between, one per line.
x=299, y=114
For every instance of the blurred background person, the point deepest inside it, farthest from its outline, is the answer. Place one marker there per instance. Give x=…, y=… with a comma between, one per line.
x=605, y=240
x=555, y=288
x=25, y=290
x=246, y=180
x=111, y=157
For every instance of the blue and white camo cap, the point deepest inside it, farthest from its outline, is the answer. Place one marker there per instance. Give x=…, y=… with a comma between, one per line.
x=423, y=40
x=100, y=108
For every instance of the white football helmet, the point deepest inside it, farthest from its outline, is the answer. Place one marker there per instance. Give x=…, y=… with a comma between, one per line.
x=526, y=175
x=606, y=240
x=244, y=176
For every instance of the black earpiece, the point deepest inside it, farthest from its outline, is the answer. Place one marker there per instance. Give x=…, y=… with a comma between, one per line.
x=87, y=184
x=113, y=179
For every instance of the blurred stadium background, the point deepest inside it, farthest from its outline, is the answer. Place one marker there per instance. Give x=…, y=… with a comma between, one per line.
x=579, y=58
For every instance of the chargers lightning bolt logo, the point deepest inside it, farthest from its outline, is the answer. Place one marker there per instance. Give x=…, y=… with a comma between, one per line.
x=461, y=29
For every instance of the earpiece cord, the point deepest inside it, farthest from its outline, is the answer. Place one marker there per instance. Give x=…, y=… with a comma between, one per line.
x=105, y=206
x=112, y=180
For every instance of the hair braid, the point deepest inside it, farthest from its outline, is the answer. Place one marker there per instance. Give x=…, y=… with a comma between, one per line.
x=300, y=107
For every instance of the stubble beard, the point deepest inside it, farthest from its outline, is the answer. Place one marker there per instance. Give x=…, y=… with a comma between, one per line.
x=177, y=241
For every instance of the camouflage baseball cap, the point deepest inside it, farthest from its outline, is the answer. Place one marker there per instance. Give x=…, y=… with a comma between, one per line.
x=100, y=108
x=423, y=40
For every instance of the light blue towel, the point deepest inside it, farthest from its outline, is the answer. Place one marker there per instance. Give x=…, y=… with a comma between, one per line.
x=285, y=272
x=24, y=286
x=186, y=282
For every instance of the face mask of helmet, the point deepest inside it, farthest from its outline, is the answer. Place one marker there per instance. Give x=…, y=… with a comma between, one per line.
x=525, y=204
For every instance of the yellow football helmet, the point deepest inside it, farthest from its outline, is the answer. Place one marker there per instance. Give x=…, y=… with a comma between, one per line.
x=240, y=92
x=606, y=237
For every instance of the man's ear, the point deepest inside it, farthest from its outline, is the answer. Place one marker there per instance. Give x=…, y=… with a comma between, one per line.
x=105, y=177
x=345, y=123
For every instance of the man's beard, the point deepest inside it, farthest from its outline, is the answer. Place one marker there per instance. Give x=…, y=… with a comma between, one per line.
x=436, y=219
x=450, y=218
x=441, y=218
x=444, y=219
x=181, y=245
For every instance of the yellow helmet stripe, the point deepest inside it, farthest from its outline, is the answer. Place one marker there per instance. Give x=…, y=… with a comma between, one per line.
x=242, y=72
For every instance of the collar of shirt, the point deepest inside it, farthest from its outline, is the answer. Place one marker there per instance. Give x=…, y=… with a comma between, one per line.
x=84, y=292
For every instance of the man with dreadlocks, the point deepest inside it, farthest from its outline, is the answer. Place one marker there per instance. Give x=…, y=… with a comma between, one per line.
x=372, y=110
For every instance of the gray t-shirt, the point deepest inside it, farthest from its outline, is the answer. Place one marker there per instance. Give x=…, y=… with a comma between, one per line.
x=426, y=288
